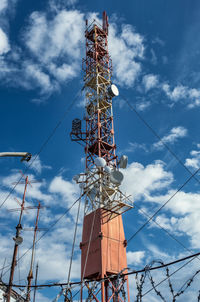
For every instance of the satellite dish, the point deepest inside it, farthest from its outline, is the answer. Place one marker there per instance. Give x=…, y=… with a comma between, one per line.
x=113, y=91
x=116, y=177
x=107, y=169
x=100, y=162
x=123, y=162
x=18, y=240
x=76, y=178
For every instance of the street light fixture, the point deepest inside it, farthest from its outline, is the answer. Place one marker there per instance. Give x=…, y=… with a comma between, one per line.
x=25, y=156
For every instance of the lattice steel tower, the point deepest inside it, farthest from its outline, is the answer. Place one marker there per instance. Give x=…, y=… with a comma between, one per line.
x=103, y=246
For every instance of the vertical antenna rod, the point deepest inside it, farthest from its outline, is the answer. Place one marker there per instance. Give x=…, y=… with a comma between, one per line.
x=36, y=276
x=3, y=269
x=18, y=240
x=30, y=275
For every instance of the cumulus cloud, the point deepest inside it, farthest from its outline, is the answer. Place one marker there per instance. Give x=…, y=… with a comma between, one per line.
x=53, y=53
x=194, y=160
x=177, y=93
x=57, y=241
x=4, y=43
x=57, y=37
x=184, y=218
x=140, y=180
x=38, y=77
x=150, y=81
x=34, y=191
x=36, y=164
x=56, y=45
x=135, y=258
x=126, y=49
x=66, y=191
x=191, y=96
x=174, y=134
x=54, y=41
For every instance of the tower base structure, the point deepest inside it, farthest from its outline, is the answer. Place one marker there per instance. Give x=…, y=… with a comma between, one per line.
x=103, y=258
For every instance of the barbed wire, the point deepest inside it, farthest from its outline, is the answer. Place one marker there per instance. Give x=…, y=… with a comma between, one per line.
x=140, y=282
x=134, y=272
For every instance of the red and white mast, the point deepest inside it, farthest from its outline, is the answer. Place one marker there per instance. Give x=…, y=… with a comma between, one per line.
x=103, y=245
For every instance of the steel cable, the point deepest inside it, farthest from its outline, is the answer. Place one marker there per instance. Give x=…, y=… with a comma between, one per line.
x=44, y=234
x=43, y=146
x=134, y=272
x=158, y=137
x=177, y=191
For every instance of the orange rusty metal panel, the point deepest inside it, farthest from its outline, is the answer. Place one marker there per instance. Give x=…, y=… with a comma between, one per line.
x=106, y=251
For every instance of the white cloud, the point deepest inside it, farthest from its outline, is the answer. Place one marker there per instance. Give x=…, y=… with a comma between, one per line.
x=194, y=160
x=35, y=191
x=158, y=41
x=174, y=134
x=4, y=43
x=183, y=203
x=140, y=180
x=132, y=147
x=61, y=4
x=185, y=210
x=3, y=5
x=36, y=164
x=179, y=92
x=157, y=253
x=35, y=75
x=64, y=187
x=143, y=105
x=41, y=298
x=135, y=258
x=126, y=48
x=65, y=190
x=54, y=43
x=57, y=37
x=150, y=81
x=191, y=96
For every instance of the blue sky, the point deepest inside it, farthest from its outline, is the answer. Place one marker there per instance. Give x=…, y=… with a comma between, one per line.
x=154, y=46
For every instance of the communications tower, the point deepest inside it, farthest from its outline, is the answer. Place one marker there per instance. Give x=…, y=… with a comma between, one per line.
x=103, y=246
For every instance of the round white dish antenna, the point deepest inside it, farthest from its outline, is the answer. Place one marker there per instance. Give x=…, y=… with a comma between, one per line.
x=107, y=169
x=113, y=91
x=123, y=162
x=116, y=177
x=100, y=162
x=18, y=240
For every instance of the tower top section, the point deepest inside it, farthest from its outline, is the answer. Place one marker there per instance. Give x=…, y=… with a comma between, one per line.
x=105, y=22
x=102, y=177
